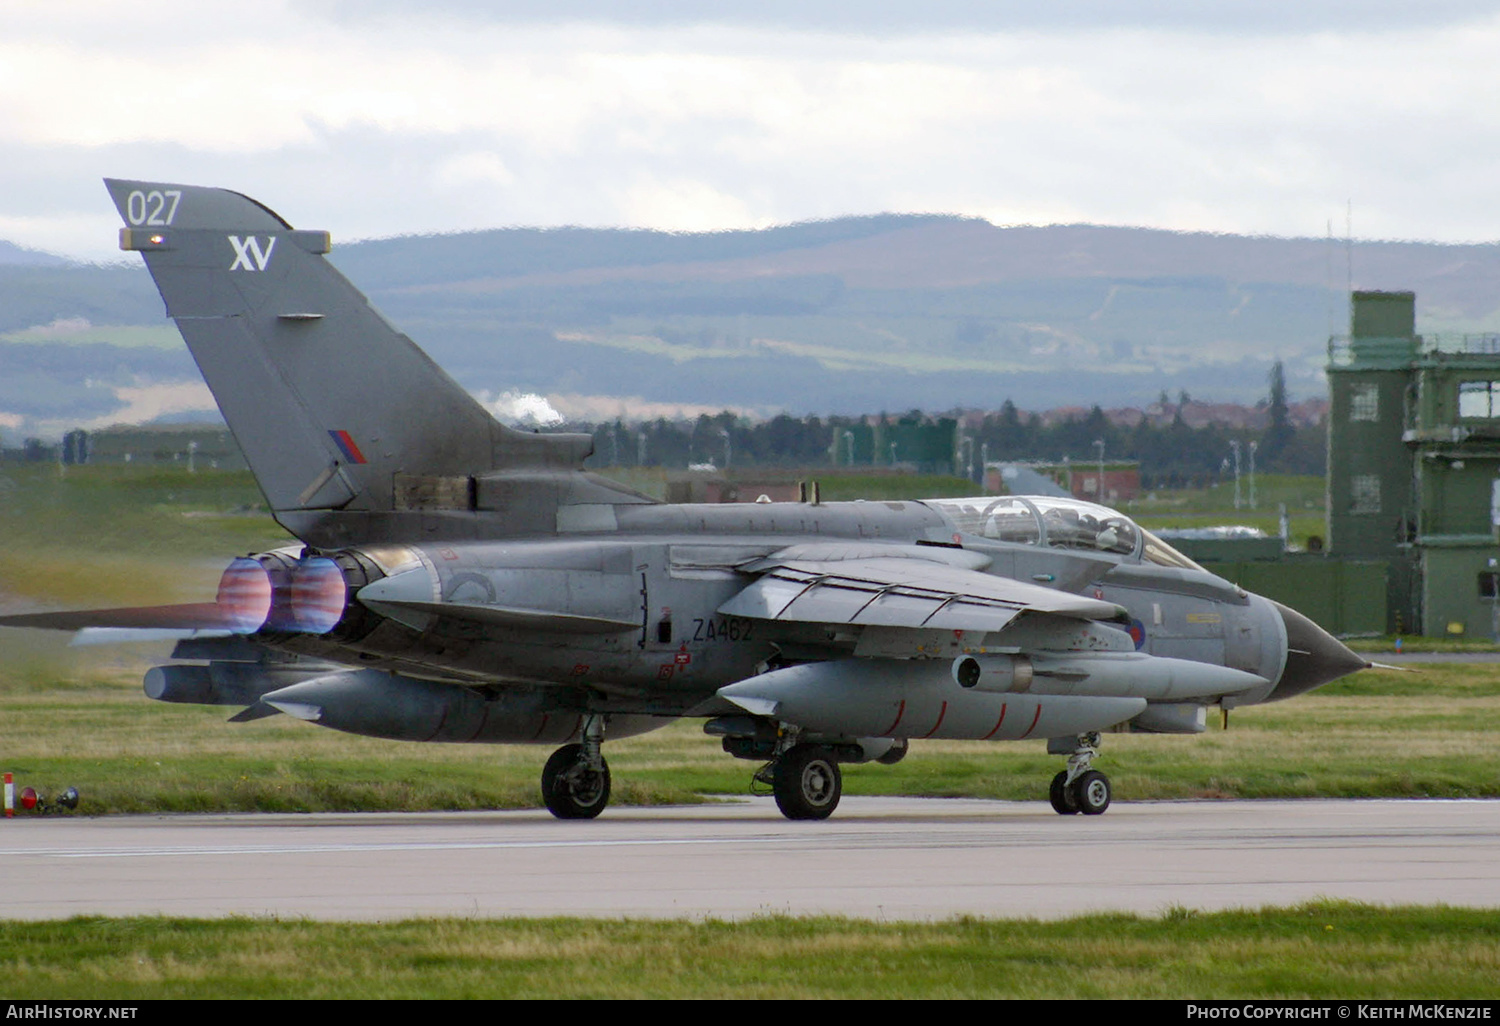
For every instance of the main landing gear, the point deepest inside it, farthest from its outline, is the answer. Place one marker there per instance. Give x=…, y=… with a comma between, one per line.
x=805, y=781
x=1078, y=788
x=575, y=781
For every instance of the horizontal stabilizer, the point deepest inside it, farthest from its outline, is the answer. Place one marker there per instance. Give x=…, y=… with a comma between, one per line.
x=122, y=635
x=192, y=616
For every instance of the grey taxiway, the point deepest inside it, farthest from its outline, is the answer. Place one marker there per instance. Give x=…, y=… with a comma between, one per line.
x=883, y=858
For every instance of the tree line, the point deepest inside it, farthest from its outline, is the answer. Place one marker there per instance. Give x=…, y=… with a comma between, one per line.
x=1171, y=454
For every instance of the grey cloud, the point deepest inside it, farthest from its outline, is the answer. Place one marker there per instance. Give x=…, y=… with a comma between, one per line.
x=887, y=17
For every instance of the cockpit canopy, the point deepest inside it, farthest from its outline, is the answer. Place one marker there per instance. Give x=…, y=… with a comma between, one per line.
x=1058, y=524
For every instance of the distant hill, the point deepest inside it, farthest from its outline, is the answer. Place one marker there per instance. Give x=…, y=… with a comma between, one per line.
x=889, y=312
x=10, y=253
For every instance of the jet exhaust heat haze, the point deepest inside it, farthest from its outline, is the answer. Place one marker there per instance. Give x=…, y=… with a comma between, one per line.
x=462, y=581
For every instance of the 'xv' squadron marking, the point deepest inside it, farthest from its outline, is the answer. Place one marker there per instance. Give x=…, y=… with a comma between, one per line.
x=248, y=256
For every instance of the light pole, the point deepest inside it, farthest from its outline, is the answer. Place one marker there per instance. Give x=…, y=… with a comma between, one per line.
x=1235, y=447
x=1253, y=447
x=725, y=433
x=1099, y=481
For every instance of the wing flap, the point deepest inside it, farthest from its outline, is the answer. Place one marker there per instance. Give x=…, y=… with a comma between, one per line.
x=895, y=592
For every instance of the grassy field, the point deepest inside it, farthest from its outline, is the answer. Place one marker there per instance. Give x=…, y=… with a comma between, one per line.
x=1312, y=951
x=834, y=485
x=1301, y=494
x=1303, y=497
x=71, y=719
x=112, y=535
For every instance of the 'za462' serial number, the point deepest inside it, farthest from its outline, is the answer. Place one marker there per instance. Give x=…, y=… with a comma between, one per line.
x=725, y=628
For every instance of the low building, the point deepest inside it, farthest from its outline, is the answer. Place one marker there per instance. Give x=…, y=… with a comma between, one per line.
x=1081, y=480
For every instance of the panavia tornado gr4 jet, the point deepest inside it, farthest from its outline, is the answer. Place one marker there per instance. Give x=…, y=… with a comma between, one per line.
x=462, y=581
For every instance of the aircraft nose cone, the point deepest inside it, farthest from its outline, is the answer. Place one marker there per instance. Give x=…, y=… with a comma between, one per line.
x=1313, y=657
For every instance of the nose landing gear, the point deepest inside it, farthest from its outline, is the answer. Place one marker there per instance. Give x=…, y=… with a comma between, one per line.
x=1078, y=788
x=575, y=781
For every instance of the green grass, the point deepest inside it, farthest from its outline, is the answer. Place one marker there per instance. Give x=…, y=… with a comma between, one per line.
x=1373, y=646
x=1302, y=494
x=1205, y=507
x=79, y=719
x=163, y=336
x=834, y=485
x=104, y=535
x=1320, y=950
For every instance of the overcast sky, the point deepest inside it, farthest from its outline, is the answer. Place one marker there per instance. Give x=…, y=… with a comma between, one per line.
x=379, y=118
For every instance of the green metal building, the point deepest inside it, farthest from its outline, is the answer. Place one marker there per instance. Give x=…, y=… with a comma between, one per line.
x=1414, y=465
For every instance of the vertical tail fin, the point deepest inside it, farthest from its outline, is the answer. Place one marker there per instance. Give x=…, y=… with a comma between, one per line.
x=328, y=401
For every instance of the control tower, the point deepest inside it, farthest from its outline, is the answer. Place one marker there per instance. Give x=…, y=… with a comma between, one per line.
x=1414, y=465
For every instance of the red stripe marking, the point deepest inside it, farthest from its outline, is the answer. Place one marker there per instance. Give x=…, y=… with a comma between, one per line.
x=543, y=727
x=1000, y=721
x=439, y=729
x=1033, y=720
x=899, y=713
x=941, y=713
x=483, y=720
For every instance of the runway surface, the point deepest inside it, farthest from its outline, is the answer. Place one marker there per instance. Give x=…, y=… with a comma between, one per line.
x=878, y=857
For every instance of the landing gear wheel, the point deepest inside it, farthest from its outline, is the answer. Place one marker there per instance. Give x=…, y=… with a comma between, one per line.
x=807, y=783
x=1061, y=795
x=1091, y=793
x=570, y=788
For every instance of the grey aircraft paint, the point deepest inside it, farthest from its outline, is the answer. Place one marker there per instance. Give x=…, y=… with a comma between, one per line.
x=462, y=581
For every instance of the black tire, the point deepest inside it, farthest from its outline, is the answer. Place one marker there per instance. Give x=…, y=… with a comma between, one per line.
x=1091, y=793
x=1061, y=796
x=574, y=796
x=807, y=783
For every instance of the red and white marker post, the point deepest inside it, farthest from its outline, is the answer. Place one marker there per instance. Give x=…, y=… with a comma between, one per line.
x=10, y=796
